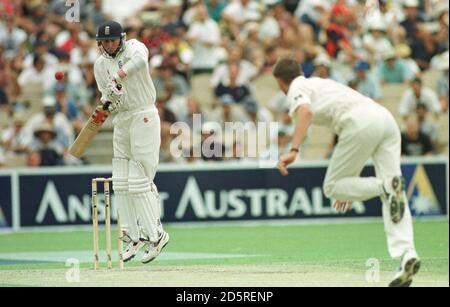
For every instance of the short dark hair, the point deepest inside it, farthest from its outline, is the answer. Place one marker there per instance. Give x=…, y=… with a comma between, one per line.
x=286, y=69
x=417, y=80
x=422, y=105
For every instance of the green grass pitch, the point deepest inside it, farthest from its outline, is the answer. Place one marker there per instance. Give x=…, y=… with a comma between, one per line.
x=232, y=255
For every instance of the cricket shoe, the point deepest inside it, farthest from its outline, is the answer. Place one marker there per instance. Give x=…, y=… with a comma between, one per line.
x=132, y=248
x=394, y=191
x=154, y=249
x=409, y=267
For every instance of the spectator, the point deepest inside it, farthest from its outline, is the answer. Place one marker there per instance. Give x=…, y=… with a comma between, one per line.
x=253, y=49
x=365, y=84
x=12, y=38
x=61, y=125
x=41, y=49
x=393, y=70
x=238, y=12
x=204, y=35
x=412, y=18
x=269, y=29
x=238, y=92
x=414, y=142
x=84, y=54
x=443, y=22
x=338, y=35
x=68, y=107
x=270, y=59
x=154, y=38
x=165, y=75
x=403, y=52
x=13, y=138
x=190, y=12
x=423, y=47
x=246, y=71
x=418, y=94
x=171, y=22
x=45, y=144
x=95, y=15
x=312, y=12
x=38, y=75
x=323, y=69
x=389, y=14
x=215, y=8
x=427, y=126
x=375, y=42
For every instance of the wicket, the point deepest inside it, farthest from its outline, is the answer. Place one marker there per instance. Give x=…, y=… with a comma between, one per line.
x=107, y=201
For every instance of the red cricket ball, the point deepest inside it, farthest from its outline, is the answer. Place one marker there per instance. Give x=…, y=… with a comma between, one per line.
x=59, y=75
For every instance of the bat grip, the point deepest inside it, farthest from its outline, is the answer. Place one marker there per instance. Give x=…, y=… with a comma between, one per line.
x=108, y=103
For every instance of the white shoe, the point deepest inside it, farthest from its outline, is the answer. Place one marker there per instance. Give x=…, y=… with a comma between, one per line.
x=131, y=249
x=410, y=265
x=394, y=190
x=154, y=249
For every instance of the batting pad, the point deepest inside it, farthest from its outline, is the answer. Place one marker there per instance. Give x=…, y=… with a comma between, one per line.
x=144, y=201
x=127, y=214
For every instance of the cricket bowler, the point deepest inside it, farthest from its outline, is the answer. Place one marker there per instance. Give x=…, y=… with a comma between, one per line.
x=136, y=138
x=366, y=130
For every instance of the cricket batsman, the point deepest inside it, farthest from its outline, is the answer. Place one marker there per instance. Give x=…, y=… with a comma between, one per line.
x=366, y=130
x=123, y=78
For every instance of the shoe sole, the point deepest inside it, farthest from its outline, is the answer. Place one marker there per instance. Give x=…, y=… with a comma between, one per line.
x=412, y=267
x=131, y=258
x=397, y=202
x=151, y=259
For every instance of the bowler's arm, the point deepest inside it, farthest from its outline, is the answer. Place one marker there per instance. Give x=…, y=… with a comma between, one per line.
x=303, y=116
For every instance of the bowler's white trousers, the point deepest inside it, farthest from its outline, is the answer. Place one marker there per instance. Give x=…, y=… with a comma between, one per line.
x=369, y=131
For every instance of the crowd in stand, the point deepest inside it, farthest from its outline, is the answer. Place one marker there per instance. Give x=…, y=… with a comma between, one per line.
x=204, y=56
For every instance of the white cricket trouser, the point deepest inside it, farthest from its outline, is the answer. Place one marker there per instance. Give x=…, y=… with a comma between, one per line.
x=370, y=131
x=137, y=138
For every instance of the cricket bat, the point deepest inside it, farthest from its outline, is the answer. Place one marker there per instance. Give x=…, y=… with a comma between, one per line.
x=90, y=130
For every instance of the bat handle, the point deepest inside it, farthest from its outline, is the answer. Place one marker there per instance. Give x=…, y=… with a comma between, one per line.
x=106, y=105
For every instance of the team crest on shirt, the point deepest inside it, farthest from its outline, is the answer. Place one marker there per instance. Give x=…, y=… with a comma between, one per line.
x=120, y=64
x=298, y=97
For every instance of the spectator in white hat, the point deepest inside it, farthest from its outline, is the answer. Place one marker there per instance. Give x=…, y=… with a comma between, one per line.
x=393, y=70
x=376, y=41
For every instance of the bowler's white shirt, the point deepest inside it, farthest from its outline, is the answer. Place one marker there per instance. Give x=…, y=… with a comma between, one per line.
x=330, y=101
